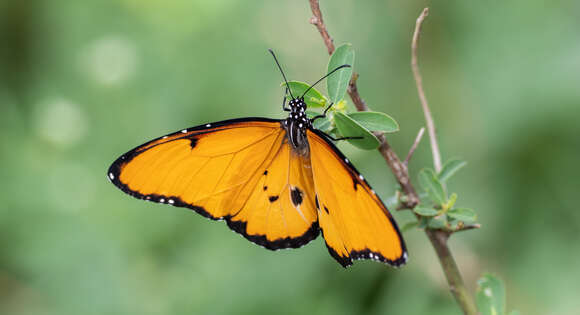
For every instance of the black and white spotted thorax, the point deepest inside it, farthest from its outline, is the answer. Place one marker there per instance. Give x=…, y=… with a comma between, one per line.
x=298, y=113
x=296, y=125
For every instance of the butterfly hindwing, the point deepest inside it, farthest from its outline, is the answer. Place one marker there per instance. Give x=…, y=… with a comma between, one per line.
x=282, y=205
x=354, y=221
x=220, y=171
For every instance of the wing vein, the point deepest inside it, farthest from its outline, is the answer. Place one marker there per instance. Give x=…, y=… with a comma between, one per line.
x=282, y=134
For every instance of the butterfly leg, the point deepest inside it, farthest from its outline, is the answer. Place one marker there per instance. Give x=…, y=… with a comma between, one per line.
x=284, y=108
x=341, y=138
x=323, y=113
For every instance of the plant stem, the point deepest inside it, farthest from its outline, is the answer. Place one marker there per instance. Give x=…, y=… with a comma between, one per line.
x=438, y=238
x=317, y=21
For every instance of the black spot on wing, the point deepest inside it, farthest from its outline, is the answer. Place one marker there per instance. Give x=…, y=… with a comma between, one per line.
x=266, y=172
x=355, y=183
x=326, y=209
x=265, y=188
x=273, y=198
x=296, y=196
x=237, y=226
x=193, y=142
x=316, y=201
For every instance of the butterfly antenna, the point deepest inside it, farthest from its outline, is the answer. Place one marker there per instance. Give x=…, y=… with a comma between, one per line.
x=283, y=75
x=324, y=77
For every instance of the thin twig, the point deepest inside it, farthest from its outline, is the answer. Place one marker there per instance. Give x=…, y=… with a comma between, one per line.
x=317, y=21
x=421, y=92
x=467, y=227
x=401, y=173
x=414, y=146
x=439, y=238
x=352, y=90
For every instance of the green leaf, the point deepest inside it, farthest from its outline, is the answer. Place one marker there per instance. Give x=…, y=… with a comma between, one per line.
x=462, y=214
x=423, y=222
x=451, y=201
x=432, y=185
x=454, y=224
x=337, y=82
x=450, y=168
x=311, y=113
x=312, y=99
x=425, y=211
x=410, y=225
x=437, y=223
x=323, y=124
x=392, y=201
x=375, y=121
x=490, y=295
x=350, y=128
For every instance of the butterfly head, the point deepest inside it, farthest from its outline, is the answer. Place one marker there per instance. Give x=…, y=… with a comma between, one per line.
x=298, y=109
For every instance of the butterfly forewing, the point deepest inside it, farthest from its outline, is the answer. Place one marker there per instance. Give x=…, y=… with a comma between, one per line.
x=243, y=171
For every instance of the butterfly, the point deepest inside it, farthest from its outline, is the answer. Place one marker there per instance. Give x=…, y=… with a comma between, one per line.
x=279, y=183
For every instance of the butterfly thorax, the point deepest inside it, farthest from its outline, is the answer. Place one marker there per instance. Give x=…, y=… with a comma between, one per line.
x=296, y=125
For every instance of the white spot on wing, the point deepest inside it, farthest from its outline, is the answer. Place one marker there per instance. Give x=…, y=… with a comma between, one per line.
x=208, y=125
x=111, y=176
x=184, y=131
x=361, y=177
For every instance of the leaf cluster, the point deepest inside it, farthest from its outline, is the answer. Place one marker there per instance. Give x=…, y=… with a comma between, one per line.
x=339, y=122
x=437, y=209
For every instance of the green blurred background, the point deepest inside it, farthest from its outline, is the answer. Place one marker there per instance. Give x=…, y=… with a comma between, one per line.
x=81, y=82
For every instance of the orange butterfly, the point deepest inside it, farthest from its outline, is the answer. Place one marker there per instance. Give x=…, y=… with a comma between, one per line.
x=279, y=183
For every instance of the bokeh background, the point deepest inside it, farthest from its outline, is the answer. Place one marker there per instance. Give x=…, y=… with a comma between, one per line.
x=81, y=82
